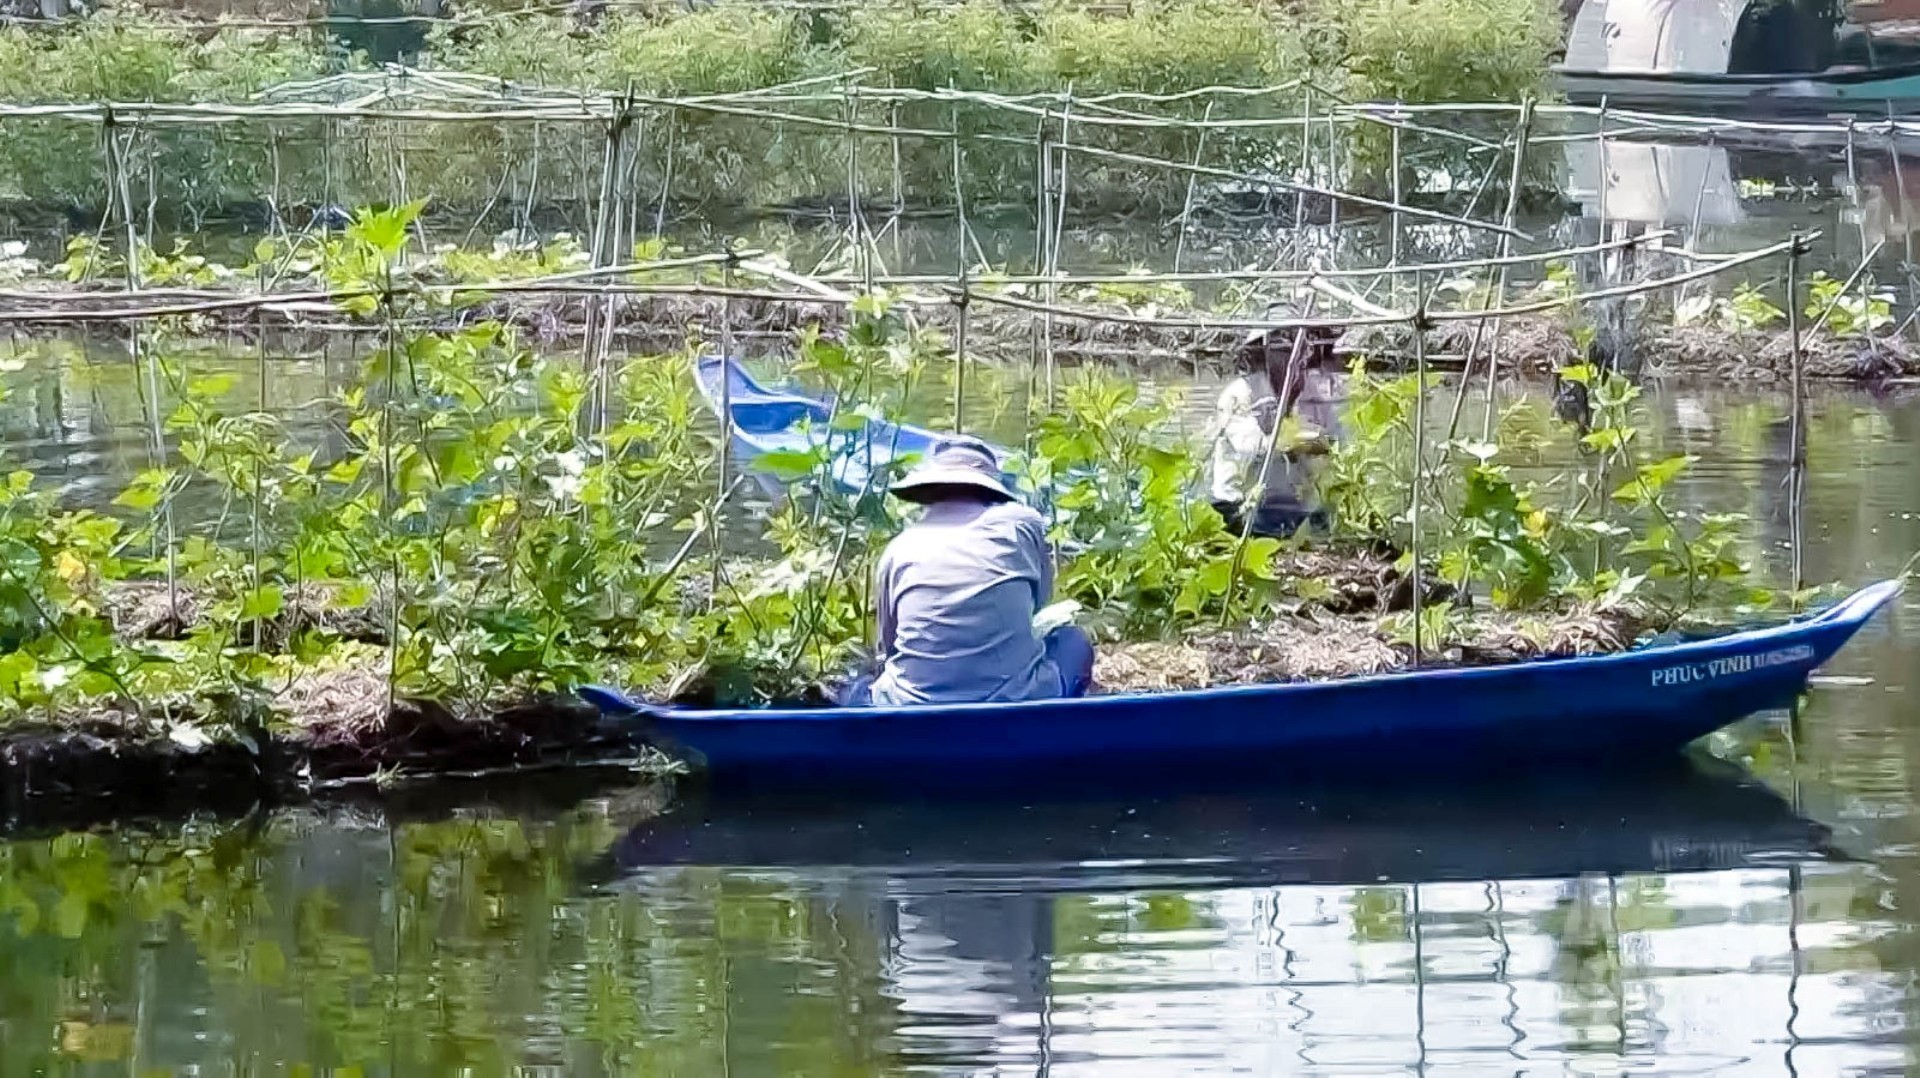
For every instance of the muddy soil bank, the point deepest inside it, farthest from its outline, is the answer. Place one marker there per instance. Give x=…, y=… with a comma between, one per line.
x=1534, y=345
x=109, y=765
x=1538, y=345
x=626, y=791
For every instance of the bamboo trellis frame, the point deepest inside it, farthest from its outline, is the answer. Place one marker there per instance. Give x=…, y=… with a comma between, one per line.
x=403, y=96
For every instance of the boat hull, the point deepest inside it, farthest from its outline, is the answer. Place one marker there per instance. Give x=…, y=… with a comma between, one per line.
x=1850, y=92
x=1624, y=705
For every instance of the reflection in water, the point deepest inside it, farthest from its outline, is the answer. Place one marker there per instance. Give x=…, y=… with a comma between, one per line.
x=1159, y=931
x=1888, y=197
x=1655, y=184
x=1686, y=915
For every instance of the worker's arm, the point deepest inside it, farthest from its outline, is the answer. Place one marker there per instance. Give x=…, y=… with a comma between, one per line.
x=884, y=612
x=1043, y=554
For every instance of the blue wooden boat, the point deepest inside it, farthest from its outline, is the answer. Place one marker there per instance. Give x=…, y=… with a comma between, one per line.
x=1651, y=699
x=781, y=421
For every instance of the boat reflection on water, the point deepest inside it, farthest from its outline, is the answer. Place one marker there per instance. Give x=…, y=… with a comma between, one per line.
x=1887, y=201
x=1316, y=927
x=1689, y=815
x=1654, y=183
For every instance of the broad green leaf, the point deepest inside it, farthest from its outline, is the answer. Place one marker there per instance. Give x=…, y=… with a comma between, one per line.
x=211, y=385
x=263, y=602
x=1257, y=560
x=386, y=230
x=70, y=915
x=787, y=465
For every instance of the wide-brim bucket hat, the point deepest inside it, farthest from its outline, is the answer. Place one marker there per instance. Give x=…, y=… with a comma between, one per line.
x=958, y=461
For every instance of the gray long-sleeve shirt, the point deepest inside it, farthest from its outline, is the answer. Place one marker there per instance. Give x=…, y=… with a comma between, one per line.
x=958, y=591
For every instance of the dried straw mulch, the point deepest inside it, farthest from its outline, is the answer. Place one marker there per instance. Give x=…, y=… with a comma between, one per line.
x=1323, y=647
x=1289, y=650
x=146, y=610
x=1766, y=357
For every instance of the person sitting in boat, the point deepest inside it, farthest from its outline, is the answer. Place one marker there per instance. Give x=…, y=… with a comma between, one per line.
x=1244, y=418
x=958, y=590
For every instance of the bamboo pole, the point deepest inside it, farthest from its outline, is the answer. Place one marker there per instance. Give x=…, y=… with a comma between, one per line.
x=1394, y=222
x=1497, y=297
x=962, y=304
x=1041, y=185
x=862, y=267
x=1845, y=287
x=1650, y=238
x=1059, y=226
x=1193, y=179
x=508, y=102
x=1043, y=260
x=118, y=190
x=256, y=580
x=1630, y=288
x=899, y=181
x=1514, y=183
x=533, y=182
x=325, y=301
x=600, y=315
x=822, y=285
x=965, y=301
x=1306, y=160
x=1853, y=187
x=1602, y=209
x=666, y=178
x=583, y=110
x=724, y=483
x=1419, y=324
x=1389, y=317
x=1906, y=223
x=1693, y=220
x=388, y=485
x=630, y=181
x=1797, y=448
x=1334, y=177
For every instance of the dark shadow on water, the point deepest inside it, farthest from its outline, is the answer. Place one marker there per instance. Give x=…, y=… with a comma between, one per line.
x=1680, y=815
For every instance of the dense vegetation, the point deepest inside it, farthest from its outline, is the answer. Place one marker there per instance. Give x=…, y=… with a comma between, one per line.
x=479, y=525
x=1438, y=50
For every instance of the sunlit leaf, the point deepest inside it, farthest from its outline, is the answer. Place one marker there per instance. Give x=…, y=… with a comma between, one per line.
x=787, y=465
x=262, y=602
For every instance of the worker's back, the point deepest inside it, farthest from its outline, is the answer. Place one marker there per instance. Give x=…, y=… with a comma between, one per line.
x=958, y=591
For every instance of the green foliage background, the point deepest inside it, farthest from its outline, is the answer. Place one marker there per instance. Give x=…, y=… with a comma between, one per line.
x=1430, y=50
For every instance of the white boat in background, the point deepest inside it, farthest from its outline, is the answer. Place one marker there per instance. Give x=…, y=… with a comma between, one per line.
x=1753, y=55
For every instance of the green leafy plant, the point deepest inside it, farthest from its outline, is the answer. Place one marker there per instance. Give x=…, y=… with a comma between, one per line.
x=1139, y=553
x=1746, y=310
x=1854, y=312
x=1621, y=536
